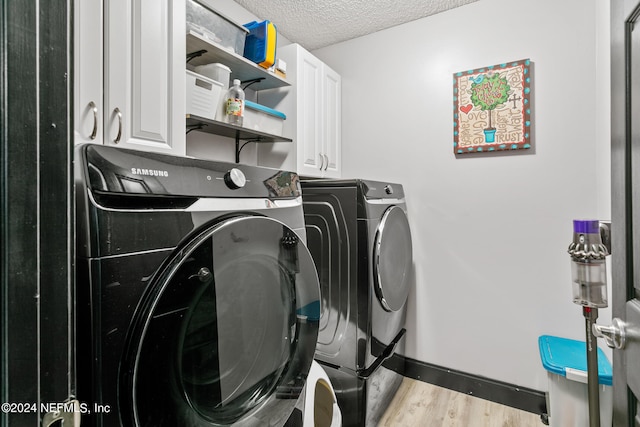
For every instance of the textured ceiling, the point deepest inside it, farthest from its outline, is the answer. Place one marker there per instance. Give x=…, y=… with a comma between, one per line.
x=317, y=23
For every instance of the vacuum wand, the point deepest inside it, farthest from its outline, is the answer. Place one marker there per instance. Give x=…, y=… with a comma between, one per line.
x=591, y=315
x=589, y=276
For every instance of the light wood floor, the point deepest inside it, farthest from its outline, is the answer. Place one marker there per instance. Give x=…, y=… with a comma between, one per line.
x=418, y=404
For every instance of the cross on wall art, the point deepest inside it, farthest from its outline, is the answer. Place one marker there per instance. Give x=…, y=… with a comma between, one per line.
x=492, y=108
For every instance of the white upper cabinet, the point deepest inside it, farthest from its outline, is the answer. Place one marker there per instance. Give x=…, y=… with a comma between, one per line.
x=313, y=108
x=309, y=138
x=88, y=109
x=144, y=74
x=140, y=46
x=332, y=111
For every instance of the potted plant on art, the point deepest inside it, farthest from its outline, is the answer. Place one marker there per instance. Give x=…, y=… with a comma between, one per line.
x=488, y=92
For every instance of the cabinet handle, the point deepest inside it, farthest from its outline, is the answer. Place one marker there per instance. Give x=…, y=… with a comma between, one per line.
x=70, y=416
x=327, y=162
x=321, y=161
x=119, y=114
x=94, y=108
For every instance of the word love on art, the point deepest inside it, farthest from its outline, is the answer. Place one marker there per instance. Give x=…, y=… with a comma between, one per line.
x=492, y=108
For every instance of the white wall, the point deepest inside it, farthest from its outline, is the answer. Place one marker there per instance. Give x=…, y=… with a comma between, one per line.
x=490, y=233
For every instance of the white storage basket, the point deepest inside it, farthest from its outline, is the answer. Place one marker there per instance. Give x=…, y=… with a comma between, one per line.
x=203, y=95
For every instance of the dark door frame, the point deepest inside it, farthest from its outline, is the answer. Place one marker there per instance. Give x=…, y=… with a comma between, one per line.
x=624, y=405
x=36, y=217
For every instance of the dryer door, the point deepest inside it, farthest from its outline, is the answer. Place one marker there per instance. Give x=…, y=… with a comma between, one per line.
x=227, y=333
x=392, y=258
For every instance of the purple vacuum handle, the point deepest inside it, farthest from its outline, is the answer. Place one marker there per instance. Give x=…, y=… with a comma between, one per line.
x=588, y=226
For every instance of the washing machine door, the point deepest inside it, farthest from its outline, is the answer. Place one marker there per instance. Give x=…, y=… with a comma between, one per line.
x=227, y=332
x=392, y=258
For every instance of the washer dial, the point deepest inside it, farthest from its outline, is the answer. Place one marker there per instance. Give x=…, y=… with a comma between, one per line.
x=235, y=179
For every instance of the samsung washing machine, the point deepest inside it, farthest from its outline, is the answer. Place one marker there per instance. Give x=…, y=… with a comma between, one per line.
x=359, y=237
x=197, y=301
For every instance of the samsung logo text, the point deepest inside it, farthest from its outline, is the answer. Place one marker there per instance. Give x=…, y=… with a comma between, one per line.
x=148, y=172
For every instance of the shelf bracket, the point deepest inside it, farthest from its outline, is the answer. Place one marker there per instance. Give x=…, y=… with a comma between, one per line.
x=248, y=83
x=240, y=147
x=199, y=126
x=195, y=54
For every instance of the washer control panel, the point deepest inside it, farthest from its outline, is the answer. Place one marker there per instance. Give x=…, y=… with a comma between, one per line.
x=115, y=171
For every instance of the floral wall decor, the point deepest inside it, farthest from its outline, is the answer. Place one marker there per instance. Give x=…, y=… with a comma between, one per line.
x=492, y=108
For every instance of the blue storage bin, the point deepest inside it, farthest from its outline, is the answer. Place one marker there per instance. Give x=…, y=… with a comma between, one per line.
x=260, y=43
x=562, y=356
x=266, y=110
x=263, y=119
x=567, y=400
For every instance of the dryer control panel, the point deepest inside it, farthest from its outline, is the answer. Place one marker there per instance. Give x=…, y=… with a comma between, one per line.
x=381, y=190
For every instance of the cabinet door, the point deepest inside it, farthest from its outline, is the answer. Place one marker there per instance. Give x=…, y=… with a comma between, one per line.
x=87, y=74
x=332, y=111
x=309, y=126
x=144, y=74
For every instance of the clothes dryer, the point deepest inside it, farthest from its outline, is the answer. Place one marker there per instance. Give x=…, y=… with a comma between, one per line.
x=197, y=300
x=359, y=236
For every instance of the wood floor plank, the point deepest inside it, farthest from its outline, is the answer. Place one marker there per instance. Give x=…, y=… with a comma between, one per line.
x=418, y=404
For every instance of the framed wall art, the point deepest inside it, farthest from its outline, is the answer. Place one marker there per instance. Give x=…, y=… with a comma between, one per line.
x=492, y=108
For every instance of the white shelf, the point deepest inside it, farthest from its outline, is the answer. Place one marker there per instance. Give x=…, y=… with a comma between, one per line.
x=241, y=68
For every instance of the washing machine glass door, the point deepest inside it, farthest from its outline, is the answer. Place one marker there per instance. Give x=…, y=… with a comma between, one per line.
x=392, y=258
x=227, y=333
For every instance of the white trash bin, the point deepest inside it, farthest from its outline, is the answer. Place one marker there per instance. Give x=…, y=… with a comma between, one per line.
x=567, y=400
x=321, y=406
